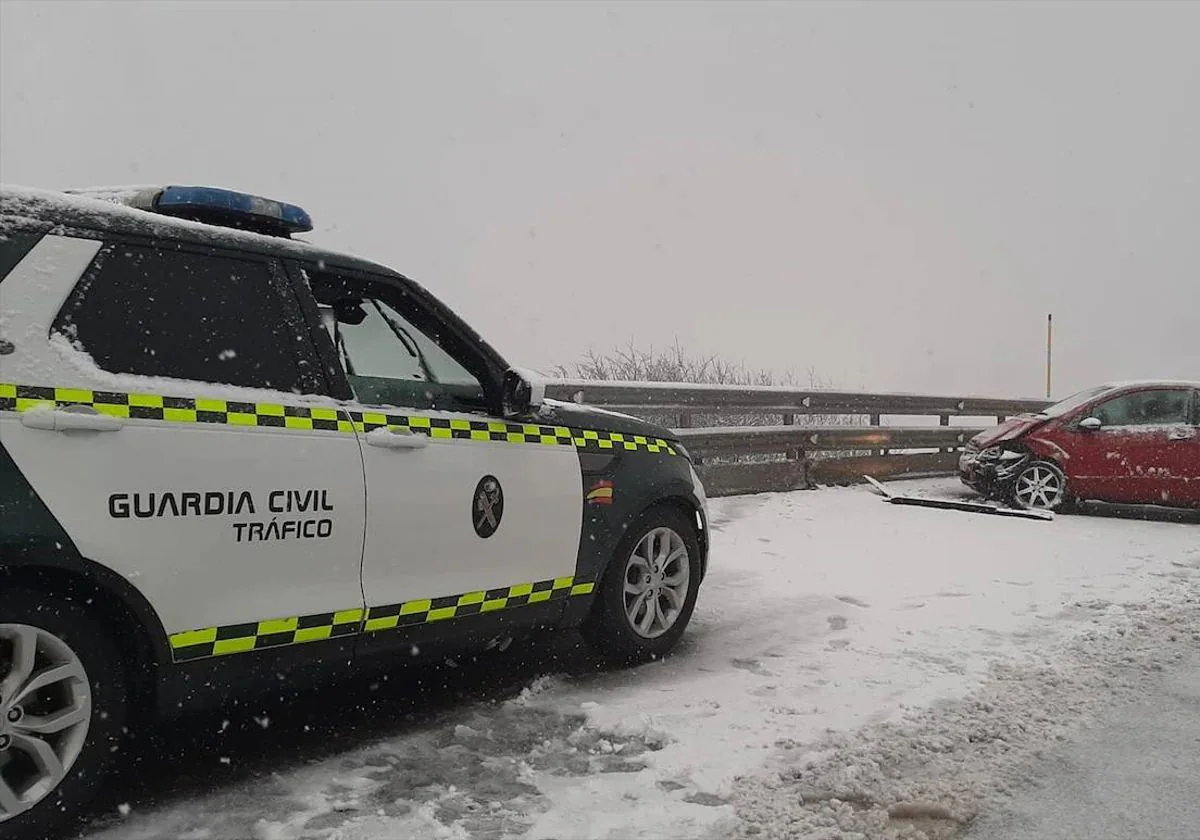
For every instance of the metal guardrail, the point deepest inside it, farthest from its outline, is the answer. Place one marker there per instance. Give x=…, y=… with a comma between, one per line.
x=776, y=452
x=763, y=440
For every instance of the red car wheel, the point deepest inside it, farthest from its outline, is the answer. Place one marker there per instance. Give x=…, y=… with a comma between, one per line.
x=1040, y=485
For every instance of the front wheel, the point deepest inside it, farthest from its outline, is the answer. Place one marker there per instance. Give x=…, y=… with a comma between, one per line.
x=63, y=699
x=1040, y=485
x=648, y=593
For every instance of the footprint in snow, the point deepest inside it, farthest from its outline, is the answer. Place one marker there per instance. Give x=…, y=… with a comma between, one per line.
x=709, y=799
x=837, y=622
x=753, y=666
x=856, y=602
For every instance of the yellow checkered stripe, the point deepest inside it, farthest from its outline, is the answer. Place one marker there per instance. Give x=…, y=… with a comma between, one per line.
x=428, y=610
x=280, y=632
x=259, y=635
x=310, y=418
x=492, y=430
x=177, y=409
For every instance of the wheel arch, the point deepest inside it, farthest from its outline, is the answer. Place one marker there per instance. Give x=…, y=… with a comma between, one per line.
x=685, y=503
x=120, y=605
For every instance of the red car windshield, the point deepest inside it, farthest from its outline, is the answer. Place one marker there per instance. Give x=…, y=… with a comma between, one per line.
x=1065, y=407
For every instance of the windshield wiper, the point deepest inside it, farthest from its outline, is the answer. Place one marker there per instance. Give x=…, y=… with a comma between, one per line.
x=407, y=340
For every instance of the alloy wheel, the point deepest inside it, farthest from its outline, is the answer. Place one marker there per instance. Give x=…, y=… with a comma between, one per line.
x=1039, y=487
x=45, y=713
x=657, y=576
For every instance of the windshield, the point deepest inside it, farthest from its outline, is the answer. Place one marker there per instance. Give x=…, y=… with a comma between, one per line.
x=1065, y=407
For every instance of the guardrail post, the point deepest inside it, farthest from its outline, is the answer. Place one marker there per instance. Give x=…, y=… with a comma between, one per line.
x=683, y=421
x=805, y=470
x=874, y=420
x=791, y=454
x=944, y=420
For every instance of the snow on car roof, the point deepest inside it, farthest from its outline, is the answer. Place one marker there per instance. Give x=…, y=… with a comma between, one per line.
x=1141, y=383
x=102, y=207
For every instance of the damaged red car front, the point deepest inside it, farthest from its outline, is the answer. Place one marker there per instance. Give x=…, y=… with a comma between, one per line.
x=1131, y=443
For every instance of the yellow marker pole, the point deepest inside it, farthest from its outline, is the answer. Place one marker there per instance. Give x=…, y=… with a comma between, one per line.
x=1049, y=348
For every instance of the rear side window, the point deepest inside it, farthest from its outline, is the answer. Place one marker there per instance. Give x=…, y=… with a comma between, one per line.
x=185, y=315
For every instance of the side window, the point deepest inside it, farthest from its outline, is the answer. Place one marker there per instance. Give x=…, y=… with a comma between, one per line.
x=387, y=359
x=385, y=345
x=1146, y=408
x=183, y=315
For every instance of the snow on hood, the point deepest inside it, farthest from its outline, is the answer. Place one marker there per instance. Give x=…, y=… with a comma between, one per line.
x=589, y=409
x=1010, y=429
x=600, y=419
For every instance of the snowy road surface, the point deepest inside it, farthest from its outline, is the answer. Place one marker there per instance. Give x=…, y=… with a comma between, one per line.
x=1133, y=776
x=852, y=665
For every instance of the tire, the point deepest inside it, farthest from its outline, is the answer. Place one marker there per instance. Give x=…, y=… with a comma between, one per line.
x=65, y=637
x=609, y=628
x=1041, y=485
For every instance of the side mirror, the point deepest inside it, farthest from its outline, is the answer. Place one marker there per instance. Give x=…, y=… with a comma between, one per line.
x=523, y=392
x=349, y=312
x=1090, y=424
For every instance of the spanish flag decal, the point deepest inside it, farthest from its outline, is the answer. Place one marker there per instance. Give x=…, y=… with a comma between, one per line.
x=601, y=493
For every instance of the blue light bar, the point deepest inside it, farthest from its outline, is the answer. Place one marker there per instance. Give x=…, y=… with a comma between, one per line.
x=229, y=209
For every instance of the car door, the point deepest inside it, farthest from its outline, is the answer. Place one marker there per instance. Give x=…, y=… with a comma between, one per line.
x=467, y=515
x=158, y=415
x=1140, y=453
x=1188, y=456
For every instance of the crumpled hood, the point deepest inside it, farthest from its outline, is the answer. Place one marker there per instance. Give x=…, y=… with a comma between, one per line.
x=1010, y=429
x=602, y=420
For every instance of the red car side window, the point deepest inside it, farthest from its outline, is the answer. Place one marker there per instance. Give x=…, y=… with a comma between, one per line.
x=1158, y=407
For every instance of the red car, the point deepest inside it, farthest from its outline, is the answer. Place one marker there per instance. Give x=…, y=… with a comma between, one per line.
x=1131, y=443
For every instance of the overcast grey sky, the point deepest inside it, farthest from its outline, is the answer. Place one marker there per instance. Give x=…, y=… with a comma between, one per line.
x=894, y=194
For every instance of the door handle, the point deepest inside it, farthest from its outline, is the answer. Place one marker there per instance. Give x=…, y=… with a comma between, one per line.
x=397, y=438
x=1181, y=434
x=74, y=418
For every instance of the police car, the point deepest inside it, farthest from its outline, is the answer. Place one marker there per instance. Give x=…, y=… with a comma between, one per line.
x=230, y=458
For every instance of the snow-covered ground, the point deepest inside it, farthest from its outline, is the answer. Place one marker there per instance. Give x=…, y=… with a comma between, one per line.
x=852, y=666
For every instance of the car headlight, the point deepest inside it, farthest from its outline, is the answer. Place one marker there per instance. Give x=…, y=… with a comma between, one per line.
x=995, y=453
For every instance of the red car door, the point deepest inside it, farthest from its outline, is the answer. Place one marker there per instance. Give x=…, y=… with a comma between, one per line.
x=1091, y=460
x=1188, y=455
x=1143, y=453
